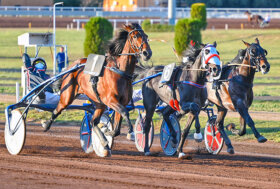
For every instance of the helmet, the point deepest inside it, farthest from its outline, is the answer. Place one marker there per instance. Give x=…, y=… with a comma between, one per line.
x=39, y=64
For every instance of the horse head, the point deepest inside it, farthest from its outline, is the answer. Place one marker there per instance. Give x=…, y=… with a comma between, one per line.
x=138, y=41
x=210, y=59
x=257, y=56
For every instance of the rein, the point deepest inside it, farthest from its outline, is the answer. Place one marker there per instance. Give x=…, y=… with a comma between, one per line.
x=242, y=65
x=193, y=84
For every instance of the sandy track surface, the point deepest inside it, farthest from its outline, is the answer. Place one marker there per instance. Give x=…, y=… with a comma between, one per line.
x=55, y=159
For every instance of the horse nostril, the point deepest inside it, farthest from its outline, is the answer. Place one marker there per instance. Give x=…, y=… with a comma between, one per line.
x=145, y=53
x=215, y=70
x=263, y=66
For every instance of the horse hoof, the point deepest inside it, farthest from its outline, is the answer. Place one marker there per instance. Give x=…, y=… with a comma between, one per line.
x=181, y=155
x=230, y=150
x=107, y=153
x=230, y=127
x=262, y=139
x=130, y=136
x=46, y=125
x=198, y=137
x=147, y=153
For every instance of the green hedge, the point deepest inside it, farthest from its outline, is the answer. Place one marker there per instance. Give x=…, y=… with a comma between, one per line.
x=198, y=11
x=148, y=27
x=98, y=32
x=185, y=31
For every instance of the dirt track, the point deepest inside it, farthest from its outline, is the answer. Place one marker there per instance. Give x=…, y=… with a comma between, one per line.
x=55, y=159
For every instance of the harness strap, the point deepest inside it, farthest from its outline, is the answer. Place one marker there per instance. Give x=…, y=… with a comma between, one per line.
x=194, y=84
x=94, y=81
x=121, y=73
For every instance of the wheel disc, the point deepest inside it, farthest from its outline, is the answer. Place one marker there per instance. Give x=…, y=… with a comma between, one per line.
x=165, y=136
x=15, y=141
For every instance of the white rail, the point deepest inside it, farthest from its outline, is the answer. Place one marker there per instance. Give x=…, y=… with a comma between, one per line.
x=141, y=12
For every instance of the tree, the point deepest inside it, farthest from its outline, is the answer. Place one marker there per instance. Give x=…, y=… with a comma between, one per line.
x=98, y=32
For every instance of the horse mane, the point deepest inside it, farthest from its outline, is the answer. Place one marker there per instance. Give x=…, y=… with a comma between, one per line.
x=192, y=52
x=239, y=57
x=117, y=44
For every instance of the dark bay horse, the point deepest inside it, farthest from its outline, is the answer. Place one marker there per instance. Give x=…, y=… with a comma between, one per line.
x=236, y=92
x=188, y=88
x=254, y=19
x=114, y=87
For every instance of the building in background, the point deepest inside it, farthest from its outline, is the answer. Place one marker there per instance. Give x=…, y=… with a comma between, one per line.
x=131, y=5
x=26, y=3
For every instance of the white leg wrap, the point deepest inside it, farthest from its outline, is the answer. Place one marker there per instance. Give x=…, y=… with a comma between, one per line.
x=197, y=136
x=130, y=136
x=181, y=155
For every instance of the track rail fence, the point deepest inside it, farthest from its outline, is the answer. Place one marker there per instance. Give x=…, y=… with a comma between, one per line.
x=140, y=12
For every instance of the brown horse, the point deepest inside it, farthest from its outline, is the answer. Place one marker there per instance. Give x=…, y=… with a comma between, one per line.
x=114, y=88
x=254, y=19
x=235, y=93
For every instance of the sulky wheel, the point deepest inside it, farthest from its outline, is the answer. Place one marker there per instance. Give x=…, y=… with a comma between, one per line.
x=86, y=132
x=213, y=139
x=165, y=136
x=15, y=132
x=139, y=133
x=105, y=125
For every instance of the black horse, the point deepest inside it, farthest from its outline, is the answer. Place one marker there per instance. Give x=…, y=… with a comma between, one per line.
x=184, y=93
x=235, y=90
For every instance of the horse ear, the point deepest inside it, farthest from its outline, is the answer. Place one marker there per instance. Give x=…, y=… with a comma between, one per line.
x=215, y=44
x=247, y=44
x=257, y=41
x=202, y=45
x=126, y=27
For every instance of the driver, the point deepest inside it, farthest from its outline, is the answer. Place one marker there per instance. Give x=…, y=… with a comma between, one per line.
x=35, y=75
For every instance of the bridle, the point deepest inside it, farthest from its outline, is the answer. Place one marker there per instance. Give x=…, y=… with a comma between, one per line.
x=137, y=50
x=255, y=60
x=211, y=56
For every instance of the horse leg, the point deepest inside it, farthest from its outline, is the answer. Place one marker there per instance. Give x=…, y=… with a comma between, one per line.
x=184, y=135
x=67, y=96
x=197, y=135
x=97, y=114
x=242, y=130
x=117, y=124
x=243, y=111
x=193, y=107
x=119, y=108
x=166, y=113
x=220, y=124
x=60, y=107
x=150, y=101
x=147, y=127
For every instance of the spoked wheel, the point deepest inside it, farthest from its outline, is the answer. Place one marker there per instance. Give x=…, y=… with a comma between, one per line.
x=165, y=136
x=15, y=132
x=86, y=134
x=213, y=139
x=140, y=135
